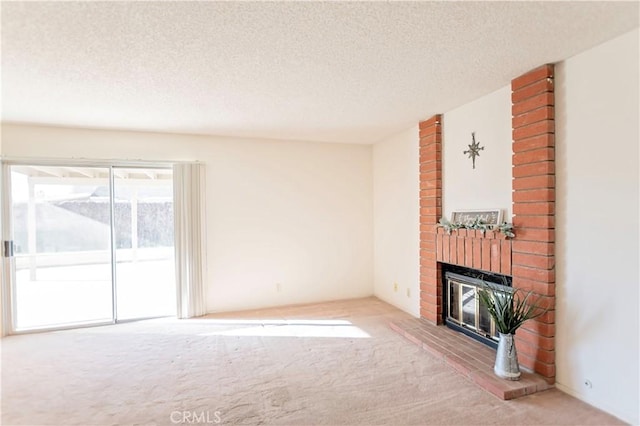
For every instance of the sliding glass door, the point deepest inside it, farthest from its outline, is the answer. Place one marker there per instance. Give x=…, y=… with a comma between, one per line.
x=60, y=218
x=143, y=213
x=90, y=245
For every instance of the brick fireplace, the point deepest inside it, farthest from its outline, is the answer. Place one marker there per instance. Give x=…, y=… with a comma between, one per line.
x=528, y=258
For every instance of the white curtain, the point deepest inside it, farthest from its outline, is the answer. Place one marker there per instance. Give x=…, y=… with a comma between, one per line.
x=190, y=238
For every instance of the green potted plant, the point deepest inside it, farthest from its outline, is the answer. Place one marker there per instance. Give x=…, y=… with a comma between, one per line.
x=509, y=309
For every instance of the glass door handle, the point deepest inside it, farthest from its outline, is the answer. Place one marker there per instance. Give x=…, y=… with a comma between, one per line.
x=7, y=248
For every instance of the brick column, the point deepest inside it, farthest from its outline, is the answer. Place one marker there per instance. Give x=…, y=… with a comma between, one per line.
x=534, y=211
x=430, y=213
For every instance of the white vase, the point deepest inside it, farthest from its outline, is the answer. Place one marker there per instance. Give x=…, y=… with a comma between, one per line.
x=506, y=365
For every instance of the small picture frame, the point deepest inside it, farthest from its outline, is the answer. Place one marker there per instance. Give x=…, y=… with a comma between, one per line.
x=491, y=217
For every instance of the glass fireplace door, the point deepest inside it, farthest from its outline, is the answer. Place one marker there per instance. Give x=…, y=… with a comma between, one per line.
x=465, y=310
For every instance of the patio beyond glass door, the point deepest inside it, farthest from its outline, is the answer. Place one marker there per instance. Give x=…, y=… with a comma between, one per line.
x=62, y=246
x=91, y=245
x=143, y=230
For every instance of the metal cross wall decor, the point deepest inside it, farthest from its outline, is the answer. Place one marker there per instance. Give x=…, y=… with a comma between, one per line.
x=474, y=149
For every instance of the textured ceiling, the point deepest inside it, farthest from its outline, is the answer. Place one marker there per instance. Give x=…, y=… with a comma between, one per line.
x=322, y=71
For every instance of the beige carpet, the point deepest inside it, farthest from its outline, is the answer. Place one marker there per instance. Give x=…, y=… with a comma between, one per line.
x=326, y=364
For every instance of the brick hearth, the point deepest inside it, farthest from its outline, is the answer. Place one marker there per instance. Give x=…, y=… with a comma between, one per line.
x=470, y=358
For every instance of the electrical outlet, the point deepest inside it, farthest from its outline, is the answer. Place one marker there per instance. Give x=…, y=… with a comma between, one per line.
x=408, y=292
x=395, y=286
x=278, y=287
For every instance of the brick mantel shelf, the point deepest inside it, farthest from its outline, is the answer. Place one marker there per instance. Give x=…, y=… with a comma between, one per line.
x=487, y=251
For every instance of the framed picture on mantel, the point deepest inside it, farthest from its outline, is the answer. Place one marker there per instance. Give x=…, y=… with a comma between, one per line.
x=491, y=217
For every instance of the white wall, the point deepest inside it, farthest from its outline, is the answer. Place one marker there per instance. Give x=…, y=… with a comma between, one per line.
x=597, y=226
x=489, y=184
x=297, y=214
x=397, y=220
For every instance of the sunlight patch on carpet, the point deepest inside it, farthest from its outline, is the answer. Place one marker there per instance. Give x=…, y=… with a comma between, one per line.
x=287, y=328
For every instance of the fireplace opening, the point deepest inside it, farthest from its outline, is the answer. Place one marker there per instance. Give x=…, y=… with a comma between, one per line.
x=463, y=311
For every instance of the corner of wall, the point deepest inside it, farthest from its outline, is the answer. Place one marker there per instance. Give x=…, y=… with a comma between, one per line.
x=396, y=221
